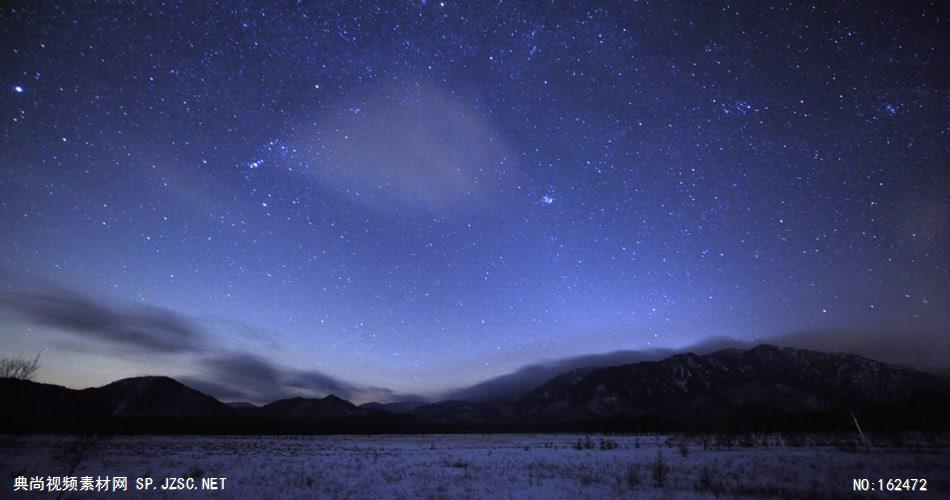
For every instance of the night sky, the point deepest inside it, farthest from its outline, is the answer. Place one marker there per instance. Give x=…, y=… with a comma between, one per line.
x=412, y=197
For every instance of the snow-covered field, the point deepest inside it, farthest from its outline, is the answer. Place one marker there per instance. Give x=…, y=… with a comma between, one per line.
x=482, y=466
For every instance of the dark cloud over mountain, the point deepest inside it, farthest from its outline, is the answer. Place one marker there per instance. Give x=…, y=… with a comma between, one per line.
x=252, y=378
x=152, y=330
x=148, y=328
x=234, y=375
x=926, y=350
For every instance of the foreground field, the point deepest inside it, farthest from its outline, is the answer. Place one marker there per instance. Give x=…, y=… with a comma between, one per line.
x=482, y=466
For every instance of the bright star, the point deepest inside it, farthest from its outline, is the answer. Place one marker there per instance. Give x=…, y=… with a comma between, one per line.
x=18, y=89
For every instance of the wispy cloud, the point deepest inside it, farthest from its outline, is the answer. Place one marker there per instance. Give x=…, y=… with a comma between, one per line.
x=925, y=350
x=409, y=146
x=230, y=375
x=533, y=375
x=147, y=328
x=252, y=378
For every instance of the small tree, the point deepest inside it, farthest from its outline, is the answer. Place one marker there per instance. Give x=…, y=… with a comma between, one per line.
x=19, y=368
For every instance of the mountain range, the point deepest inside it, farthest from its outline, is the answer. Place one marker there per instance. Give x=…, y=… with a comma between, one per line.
x=765, y=386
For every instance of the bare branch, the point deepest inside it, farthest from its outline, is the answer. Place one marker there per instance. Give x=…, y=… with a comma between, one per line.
x=19, y=368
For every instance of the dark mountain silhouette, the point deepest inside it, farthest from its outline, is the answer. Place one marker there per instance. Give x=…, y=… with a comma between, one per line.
x=923, y=350
x=131, y=397
x=530, y=377
x=460, y=412
x=733, y=386
x=160, y=397
x=330, y=407
x=243, y=407
x=767, y=386
x=397, y=407
x=527, y=378
x=23, y=398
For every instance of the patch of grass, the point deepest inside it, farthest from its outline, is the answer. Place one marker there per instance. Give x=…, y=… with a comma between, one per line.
x=607, y=444
x=586, y=444
x=587, y=476
x=725, y=441
x=748, y=440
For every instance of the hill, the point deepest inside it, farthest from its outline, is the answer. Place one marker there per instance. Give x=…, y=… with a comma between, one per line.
x=779, y=388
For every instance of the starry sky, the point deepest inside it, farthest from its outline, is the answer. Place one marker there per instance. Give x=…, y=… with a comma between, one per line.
x=404, y=198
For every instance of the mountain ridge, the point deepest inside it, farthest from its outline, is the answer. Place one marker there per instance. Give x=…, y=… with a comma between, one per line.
x=780, y=379
x=777, y=386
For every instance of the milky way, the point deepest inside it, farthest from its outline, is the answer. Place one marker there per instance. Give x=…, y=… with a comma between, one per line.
x=409, y=198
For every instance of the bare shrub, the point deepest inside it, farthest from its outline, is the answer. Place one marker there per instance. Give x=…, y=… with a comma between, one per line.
x=896, y=438
x=794, y=439
x=660, y=470
x=706, y=480
x=586, y=444
x=19, y=368
x=195, y=473
x=747, y=440
x=587, y=476
x=633, y=476
x=848, y=445
x=726, y=441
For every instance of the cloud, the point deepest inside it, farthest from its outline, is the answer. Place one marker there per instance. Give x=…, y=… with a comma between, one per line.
x=924, y=350
x=150, y=329
x=232, y=375
x=247, y=377
x=534, y=375
x=236, y=375
x=409, y=146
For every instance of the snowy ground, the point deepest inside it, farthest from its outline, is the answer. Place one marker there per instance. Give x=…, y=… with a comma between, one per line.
x=483, y=466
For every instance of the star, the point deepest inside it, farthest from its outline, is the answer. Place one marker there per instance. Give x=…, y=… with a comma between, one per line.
x=383, y=160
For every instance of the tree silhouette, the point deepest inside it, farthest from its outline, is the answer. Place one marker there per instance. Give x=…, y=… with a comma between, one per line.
x=19, y=368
